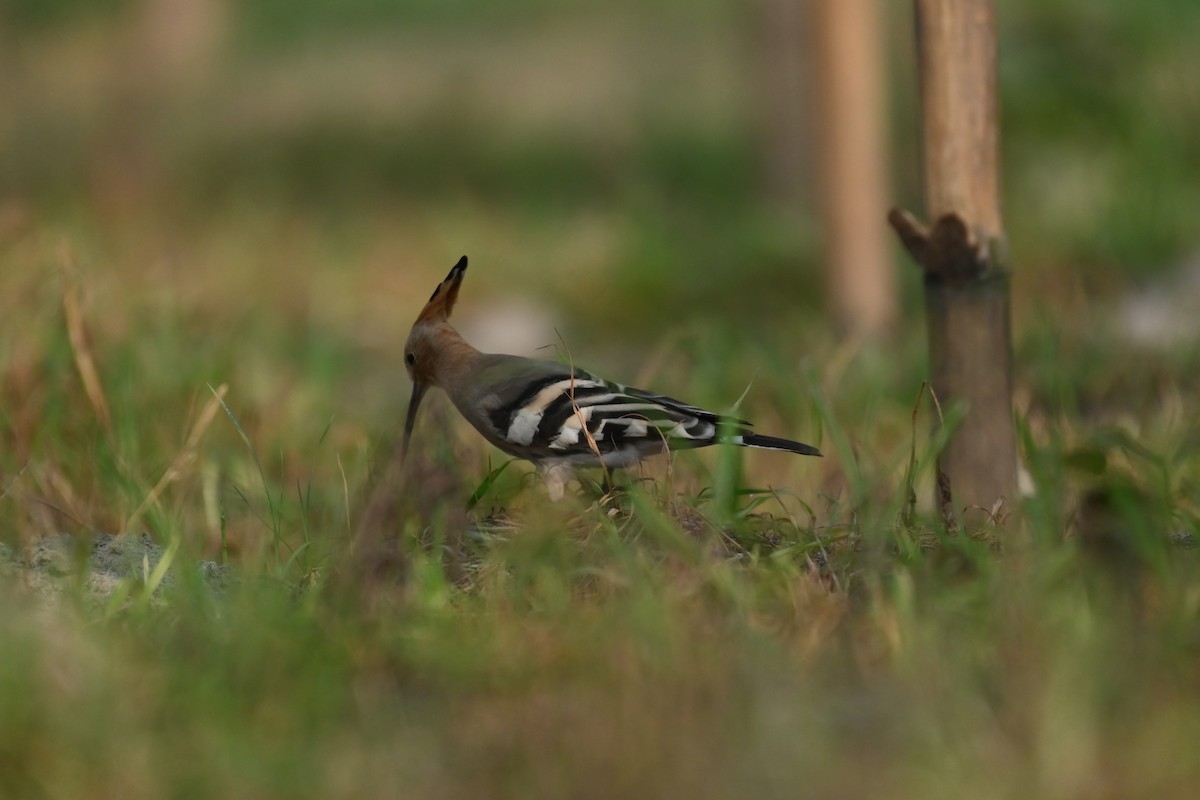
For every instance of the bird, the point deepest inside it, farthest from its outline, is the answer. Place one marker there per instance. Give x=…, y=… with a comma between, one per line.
x=555, y=415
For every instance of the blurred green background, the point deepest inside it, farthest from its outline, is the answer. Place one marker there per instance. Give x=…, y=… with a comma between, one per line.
x=598, y=159
x=619, y=151
x=263, y=194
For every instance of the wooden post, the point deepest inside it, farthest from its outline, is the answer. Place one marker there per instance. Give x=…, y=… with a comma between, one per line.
x=963, y=254
x=848, y=64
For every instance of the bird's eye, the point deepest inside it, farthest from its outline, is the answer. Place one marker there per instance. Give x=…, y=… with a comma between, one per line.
x=410, y=359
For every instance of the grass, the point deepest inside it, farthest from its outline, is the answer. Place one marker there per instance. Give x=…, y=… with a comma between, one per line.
x=816, y=633
x=205, y=343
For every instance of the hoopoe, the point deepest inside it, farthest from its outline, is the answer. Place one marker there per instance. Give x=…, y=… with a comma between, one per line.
x=552, y=414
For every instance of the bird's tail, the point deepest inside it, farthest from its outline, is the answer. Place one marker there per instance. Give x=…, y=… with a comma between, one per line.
x=775, y=443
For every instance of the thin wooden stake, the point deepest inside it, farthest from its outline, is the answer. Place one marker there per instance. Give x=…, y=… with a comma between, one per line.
x=853, y=165
x=963, y=253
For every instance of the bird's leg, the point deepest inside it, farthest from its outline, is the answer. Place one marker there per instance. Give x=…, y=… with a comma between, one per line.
x=556, y=477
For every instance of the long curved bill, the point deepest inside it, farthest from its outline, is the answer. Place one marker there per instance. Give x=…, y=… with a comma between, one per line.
x=417, y=393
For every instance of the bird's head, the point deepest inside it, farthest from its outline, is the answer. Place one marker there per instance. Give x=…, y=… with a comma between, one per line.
x=432, y=343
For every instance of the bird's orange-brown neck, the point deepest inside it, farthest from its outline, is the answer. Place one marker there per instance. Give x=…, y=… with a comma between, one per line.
x=443, y=356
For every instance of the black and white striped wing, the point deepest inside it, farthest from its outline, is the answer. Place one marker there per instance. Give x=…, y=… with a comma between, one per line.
x=575, y=416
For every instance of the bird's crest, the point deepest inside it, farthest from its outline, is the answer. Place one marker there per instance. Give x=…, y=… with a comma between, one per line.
x=442, y=301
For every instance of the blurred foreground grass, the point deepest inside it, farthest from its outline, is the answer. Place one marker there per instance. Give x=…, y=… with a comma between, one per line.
x=739, y=624
x=648, y=653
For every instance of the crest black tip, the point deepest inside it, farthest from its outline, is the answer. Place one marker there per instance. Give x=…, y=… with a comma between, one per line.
x=450, y=282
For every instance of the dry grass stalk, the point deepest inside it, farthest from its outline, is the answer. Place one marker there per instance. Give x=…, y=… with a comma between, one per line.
x=583, y=427
x=184, y=459
x=81, y=348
